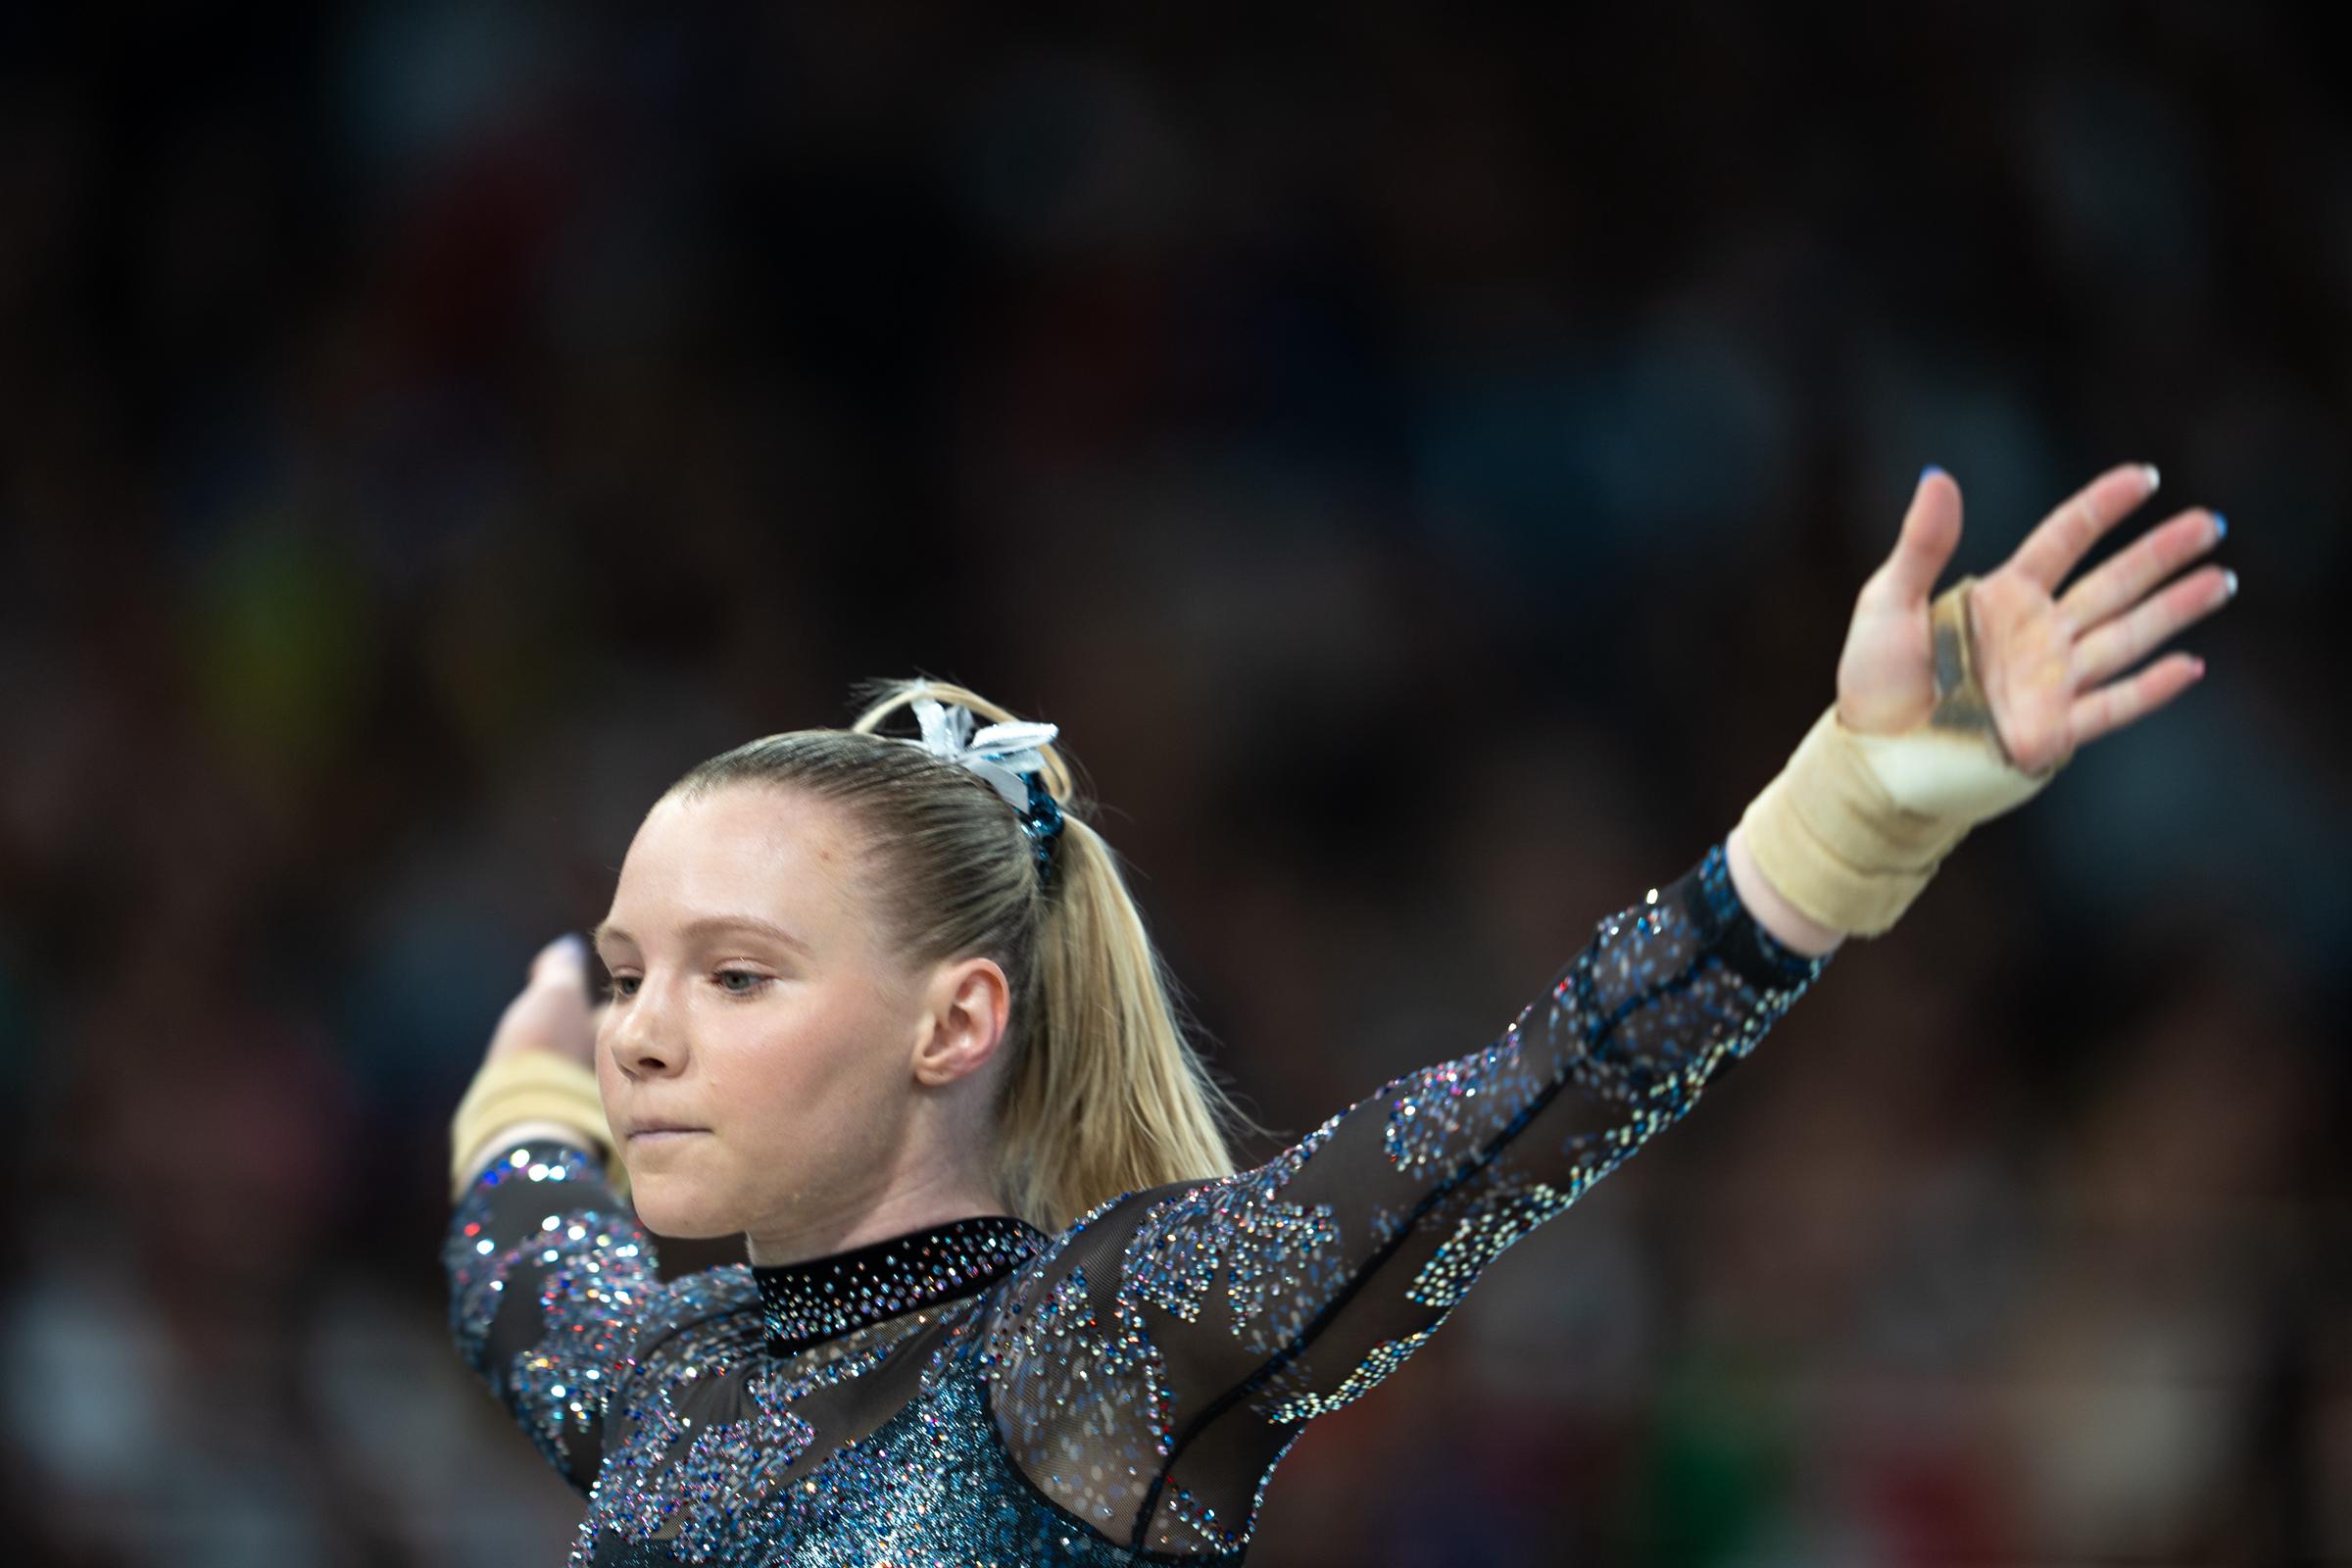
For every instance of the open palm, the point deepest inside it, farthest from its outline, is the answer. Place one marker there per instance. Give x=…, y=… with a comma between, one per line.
x=2048, y=661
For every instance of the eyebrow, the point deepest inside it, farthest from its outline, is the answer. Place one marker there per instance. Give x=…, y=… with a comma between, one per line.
x=706, y=925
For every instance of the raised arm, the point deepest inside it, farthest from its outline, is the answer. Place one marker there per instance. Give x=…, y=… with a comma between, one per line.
x=1228, y=1313
x=1150, y=1372
x=549, y=1273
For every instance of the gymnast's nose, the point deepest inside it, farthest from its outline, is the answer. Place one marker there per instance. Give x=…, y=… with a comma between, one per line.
x=648, y=1036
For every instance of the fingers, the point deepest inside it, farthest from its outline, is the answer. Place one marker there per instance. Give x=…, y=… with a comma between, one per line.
x=563, y=961
x=2119, y=643
x=2120, y=582
x=1931, y=533
x=2058, y=543
x=2112, y=706
x=551, y=1012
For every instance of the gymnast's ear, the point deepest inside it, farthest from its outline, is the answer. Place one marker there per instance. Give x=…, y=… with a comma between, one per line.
x=966, y=1007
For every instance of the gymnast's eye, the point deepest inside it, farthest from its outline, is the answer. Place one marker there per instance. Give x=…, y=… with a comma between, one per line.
x=752, y=982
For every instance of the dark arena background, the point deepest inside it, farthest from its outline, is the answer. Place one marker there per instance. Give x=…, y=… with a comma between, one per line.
x=1424, y=458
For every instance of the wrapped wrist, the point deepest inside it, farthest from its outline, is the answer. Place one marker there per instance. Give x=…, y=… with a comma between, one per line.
x=1854, y=827
x=530, y=1086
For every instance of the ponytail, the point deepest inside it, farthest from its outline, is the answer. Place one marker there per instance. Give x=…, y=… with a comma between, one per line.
x=1101, y=1093
x=1106, y=1096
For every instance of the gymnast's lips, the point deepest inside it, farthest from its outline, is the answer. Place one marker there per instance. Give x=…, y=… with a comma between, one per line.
x=659, y=1129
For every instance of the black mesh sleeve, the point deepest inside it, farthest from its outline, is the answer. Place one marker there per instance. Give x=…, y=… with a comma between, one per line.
x=549, y=1275
x=1152, y=1367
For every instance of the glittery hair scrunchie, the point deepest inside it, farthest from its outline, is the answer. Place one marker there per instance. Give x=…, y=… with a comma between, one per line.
x=1005, y=755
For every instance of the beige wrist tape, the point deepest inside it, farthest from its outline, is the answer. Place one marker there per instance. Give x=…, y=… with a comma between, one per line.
x=529, y=1086
x=1855, y=825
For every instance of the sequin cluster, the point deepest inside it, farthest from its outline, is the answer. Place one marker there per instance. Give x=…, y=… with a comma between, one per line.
x=935, y=1485
x=808, y=1303
x=1279, y=1260
x=1445, y=1114
x=707, y=1486
x=1088, y=1407
x=932, y=1483
x=596, y=1268
x=1629, y=1033
x=1384, y=1359
x=712, y=1464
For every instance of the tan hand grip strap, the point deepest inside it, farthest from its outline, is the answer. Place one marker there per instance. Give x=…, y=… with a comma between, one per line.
x=1855, y=825
x=530, y=1086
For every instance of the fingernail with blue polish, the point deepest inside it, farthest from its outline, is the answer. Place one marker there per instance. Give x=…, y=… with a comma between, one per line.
x=2220, y=527
x=1930, y=469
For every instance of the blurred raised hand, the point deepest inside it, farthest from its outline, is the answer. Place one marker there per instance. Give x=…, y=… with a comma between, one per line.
x=2051, y=661
x=553, y=1010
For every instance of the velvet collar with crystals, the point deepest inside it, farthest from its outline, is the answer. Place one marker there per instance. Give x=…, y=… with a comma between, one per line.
x=809, y=1303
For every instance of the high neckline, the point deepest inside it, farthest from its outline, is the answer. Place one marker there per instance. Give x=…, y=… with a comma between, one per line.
x=820, y=1299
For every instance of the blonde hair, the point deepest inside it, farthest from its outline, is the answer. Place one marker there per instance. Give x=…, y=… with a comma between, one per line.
x=1101, y=1093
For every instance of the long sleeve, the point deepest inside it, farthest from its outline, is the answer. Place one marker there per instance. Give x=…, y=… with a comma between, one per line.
x=549, y=1278
x=1150, y=1371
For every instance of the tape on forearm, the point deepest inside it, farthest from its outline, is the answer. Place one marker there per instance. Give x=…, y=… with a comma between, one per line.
x=1854, y=827
x=530, y=1086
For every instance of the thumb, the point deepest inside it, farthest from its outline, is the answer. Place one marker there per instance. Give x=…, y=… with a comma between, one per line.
x=1931, y=533
x=563, y=961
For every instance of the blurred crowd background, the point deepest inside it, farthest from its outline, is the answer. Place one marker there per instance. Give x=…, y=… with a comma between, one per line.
x=1422, y=455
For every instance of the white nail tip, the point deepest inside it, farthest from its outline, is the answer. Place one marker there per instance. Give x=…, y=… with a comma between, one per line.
x=2231, y=578
x=2154, y=478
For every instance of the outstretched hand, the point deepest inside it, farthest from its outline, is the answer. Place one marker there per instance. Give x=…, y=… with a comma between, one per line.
x=2049, y=661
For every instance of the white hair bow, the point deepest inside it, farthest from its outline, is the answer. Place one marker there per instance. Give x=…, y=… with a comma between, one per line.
x=998, y=753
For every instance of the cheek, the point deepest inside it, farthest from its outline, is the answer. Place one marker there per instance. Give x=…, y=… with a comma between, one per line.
x=809, y=1071
x=805, y=1101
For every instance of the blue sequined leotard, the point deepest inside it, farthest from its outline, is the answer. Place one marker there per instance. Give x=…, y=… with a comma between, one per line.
x=981, y=1393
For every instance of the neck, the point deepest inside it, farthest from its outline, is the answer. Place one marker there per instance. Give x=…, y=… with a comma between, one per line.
x=894, y=1214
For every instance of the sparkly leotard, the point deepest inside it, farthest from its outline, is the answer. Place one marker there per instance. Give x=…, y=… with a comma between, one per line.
x=981, y=1393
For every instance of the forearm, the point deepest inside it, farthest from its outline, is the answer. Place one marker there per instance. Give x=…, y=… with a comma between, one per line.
x=549, y=1274
x=1776, y=914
